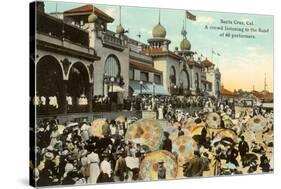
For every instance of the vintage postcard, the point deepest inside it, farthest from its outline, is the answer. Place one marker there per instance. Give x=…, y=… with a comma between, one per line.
x=125, y=94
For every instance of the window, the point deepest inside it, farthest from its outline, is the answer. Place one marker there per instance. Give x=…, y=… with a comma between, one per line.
x=157, y=79
x=112, y=66
x=197, y=81
x=131, y=74
x=184, y=79
x=172, y=75
x=144, y=76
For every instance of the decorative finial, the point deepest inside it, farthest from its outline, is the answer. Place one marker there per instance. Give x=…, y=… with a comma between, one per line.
x=159, y=16
x=120, y=14
x=183, y=31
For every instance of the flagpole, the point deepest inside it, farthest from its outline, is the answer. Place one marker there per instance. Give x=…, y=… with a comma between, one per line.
x=57, y=9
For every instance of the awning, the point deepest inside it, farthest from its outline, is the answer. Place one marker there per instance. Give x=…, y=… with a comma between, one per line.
x=147, y=88
x=116, y=88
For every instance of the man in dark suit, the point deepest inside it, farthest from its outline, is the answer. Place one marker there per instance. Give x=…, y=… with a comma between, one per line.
x=180, y=132
x=195, y=166
x=231, y=155
x=243, y=149
x=167, y=143
x=161, y=170
x=264, y=163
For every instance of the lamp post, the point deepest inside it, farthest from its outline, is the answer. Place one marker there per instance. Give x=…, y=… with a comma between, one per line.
x=111, y=94
x=153, y=89
x=112, y=81
x=141, y=83
x=175, y=89
x=104, y=82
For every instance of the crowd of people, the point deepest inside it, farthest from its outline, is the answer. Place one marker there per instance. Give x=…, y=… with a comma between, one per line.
x=69, y=153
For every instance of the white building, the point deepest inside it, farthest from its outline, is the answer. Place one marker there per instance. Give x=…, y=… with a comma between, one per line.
x=128, y=66
x=213, y=78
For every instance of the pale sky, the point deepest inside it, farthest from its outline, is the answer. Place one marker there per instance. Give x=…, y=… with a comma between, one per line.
x=243, y=62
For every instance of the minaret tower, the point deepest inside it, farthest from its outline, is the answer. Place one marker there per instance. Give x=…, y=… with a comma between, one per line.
x=158, y=39
x=119, y=29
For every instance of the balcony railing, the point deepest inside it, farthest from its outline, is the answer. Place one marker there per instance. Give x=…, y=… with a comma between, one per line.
x=55, y=27
x=112, y=41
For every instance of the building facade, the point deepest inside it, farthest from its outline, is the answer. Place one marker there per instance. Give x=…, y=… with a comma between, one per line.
x=64, y=66
x=89, y=60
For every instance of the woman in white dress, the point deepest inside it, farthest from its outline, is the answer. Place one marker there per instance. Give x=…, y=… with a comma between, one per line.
x=160, y=113
x=94, y=170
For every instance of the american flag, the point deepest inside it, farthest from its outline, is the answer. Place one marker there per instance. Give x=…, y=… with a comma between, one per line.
x=190, y=16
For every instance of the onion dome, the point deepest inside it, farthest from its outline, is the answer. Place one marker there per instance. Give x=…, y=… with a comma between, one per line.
x=185, y=44
x=92, y=18
x=120, y=29
x=159, y=31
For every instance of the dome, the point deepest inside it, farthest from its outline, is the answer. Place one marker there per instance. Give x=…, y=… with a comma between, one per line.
x=120, y=29
x=159, y=31
x=185, y=44
x=92, y=18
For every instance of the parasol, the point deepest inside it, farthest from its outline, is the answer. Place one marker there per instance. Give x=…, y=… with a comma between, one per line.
x=191, y=125
x=257, y=124
x=100, y=128
x=60, y=129
x=149, y=165
x=184, y=146
x=146, y=132
x=226, y=134
x=228, y=123
x=174, y=133
x=198, y=130
x=213, y=120
x=120, y=119
x=237, y=129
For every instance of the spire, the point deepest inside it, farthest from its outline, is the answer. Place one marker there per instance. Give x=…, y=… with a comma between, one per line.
x=119, y=29
x=159, y=16
x=183, y=31
x=120, y=15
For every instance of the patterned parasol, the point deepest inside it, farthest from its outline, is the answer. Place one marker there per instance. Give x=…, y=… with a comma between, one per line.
x=149, y=165
x=228, y=123
x=100, y=127
x=184, y=146
x=120, y=119
x=174, y=133
x=213, y=120
x=226, y=133
x=198, y=130
x=146, y=132
x=257, y=124
x=189, y=125
x=237, y=128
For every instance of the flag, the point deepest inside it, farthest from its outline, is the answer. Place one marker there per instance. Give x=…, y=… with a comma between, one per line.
x=190, y=16
x=202, y=55
x=218, y=54
x=213, y=52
